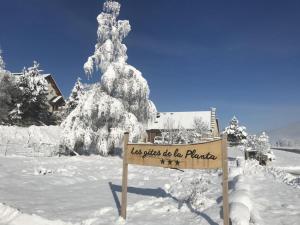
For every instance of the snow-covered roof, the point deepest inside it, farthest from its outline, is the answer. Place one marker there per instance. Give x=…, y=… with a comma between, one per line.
x=56, y=99
x=179, y=119
x=43, y=75
x=46, y=75
x=17, y=74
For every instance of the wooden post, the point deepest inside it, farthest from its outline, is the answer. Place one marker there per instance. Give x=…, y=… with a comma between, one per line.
x=125, y=177
x=225, y=181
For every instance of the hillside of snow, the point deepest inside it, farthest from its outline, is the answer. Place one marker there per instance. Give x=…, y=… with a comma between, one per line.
x=289, y=134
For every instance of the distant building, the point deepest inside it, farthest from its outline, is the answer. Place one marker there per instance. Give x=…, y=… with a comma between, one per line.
x=55, y=97
x=175, y=120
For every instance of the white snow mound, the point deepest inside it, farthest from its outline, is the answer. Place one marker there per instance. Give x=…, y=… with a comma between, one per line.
x=29, y=141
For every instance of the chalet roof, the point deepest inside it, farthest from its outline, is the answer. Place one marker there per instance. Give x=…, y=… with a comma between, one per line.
x=56, y=99
x=17, y=74
x=179, y=119
x=46, y=75
x=51, y=80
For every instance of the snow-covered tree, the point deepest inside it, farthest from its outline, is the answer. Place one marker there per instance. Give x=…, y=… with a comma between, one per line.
x=9, y=92
x=235, y=133
x=32, y=105
x=201, y=128
x=261, y=144
x=180, y=135
x=2, y=63
x=171, y=134
x=119, y=103
x=76, y=94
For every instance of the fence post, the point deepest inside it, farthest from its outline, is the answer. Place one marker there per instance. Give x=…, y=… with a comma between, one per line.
x=225, y=181
x=124, y=177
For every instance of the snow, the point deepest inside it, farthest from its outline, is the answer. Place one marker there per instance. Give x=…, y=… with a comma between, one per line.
x=272, y=190
x=274, y=199
x=239, y=214
x=56, y=99
x=180, y=119
x=29, y=141
x=32, y=82
x=87, y=190
x=11, y=216
x=46, y=75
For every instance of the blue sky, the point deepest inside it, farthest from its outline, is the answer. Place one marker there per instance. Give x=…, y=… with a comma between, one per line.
x=241, y=57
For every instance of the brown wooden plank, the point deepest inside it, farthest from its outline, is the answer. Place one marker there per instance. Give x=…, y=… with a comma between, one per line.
x=124, y=178
x=225, y=181
x=206, y=155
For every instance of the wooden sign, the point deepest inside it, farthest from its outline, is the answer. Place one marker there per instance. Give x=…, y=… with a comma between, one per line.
x=194, y=156
x=208, y=155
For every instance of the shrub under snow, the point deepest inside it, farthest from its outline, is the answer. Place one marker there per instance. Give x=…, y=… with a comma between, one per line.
x=235, y=133
x=261, y=144
x=119, y=103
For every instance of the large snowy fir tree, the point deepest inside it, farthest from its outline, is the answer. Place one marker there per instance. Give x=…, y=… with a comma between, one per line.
x=119, y=103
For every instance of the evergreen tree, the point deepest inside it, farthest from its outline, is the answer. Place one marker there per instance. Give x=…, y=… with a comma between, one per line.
x=2, y=63
x=235, y=133
x=32, y=106
x=263, y=143
x=119, y=103
x=9, y=93
x=75, y=96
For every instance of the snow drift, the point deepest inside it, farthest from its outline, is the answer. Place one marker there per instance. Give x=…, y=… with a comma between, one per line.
x=11, y=216
x=29, y=141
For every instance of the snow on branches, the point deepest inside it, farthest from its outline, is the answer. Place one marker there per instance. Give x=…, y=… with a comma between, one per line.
x=119, y=103
x=235, y=133
x=32, y=104
x=76, y=95
x=259, y=143
x=2, y=63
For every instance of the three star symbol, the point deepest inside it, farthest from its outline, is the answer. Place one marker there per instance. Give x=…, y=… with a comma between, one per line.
x=163, y=161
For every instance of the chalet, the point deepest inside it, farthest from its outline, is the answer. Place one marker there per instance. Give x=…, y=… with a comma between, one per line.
x=174, y=120
x=55, y=97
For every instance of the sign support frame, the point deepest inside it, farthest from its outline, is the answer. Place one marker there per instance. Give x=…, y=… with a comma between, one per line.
x=224, y=179
x=124, y=177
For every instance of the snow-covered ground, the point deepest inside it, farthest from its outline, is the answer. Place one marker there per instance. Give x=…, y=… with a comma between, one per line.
x=87, y=190
x=29, y=141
